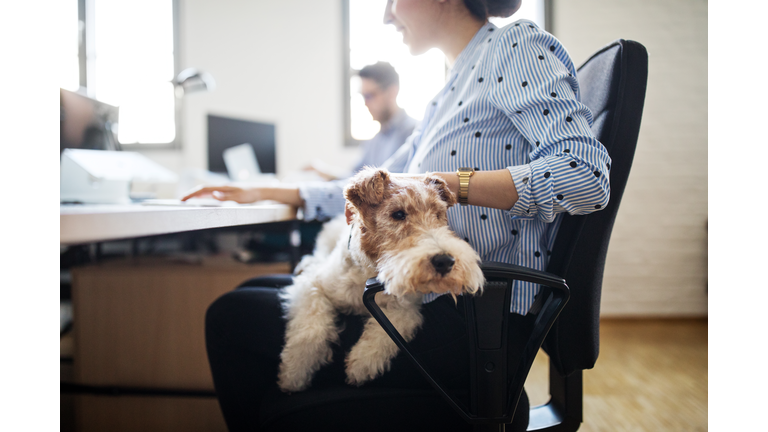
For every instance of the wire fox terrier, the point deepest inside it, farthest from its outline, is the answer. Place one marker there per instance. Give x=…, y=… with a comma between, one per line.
x=397, y=229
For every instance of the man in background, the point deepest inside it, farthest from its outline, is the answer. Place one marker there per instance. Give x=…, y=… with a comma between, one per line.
x=380, y=85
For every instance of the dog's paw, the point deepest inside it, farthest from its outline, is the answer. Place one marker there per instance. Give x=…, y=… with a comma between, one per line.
x=292, y=382
x=363, y=367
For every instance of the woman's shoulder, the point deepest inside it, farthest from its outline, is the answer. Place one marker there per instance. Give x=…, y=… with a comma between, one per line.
x=524, y=30
x=529, y=40
x=520, y=25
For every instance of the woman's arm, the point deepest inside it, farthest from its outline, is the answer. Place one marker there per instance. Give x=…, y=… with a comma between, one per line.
x=537, y=90
x=286, y=195
x=494, y=189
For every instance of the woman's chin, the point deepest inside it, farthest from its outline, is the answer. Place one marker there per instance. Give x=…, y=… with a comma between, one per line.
x=416, y=50
x=414, y=47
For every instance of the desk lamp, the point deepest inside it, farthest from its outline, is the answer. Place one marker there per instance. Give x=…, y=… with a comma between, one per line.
x=193, y=80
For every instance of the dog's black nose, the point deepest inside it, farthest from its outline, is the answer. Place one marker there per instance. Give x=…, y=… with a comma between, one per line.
x=443, y=263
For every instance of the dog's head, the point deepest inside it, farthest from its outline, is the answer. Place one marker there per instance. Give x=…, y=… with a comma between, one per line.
x=403, y=230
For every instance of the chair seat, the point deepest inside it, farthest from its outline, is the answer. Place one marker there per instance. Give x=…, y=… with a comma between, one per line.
x=399, y=410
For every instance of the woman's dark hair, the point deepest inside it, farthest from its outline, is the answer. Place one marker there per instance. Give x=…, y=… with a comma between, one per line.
x=483, y=9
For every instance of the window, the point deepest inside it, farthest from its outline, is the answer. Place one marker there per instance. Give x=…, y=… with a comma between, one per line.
x=421, y=77
x=125, y=52
x=67, y=49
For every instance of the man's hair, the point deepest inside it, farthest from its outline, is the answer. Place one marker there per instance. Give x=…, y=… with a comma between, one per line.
x=382, y=73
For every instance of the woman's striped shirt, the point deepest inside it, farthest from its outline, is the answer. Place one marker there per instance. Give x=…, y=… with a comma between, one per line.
x=511, y=102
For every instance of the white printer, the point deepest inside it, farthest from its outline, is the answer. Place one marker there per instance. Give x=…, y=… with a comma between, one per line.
x=113, y=177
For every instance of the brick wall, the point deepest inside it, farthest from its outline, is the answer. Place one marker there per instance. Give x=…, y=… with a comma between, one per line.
x=657, y=261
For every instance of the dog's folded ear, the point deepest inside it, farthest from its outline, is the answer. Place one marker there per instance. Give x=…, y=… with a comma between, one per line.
x=368, y=188
x=442, y=188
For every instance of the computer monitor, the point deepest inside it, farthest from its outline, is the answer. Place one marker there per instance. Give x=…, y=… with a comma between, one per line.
x=226, y=132
x=86, y=123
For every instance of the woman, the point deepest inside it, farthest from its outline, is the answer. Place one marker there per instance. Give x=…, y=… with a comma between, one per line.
x=509, y=118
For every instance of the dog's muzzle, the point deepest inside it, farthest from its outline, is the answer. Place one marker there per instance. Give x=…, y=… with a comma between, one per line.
x=443, y=263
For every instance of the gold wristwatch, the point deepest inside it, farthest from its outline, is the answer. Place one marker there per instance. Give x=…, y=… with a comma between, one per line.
x=464, y=175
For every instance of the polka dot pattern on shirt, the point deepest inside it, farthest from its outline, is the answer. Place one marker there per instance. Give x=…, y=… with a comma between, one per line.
x=509, y=117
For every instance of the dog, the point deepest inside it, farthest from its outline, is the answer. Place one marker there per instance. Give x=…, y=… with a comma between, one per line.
x=395, y=228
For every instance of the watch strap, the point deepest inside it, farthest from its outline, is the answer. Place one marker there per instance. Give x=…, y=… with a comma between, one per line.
x=464, y=176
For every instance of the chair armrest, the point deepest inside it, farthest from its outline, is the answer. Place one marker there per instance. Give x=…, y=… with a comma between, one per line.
x=554, y=295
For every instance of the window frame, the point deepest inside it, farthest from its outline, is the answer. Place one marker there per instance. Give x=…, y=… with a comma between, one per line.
x=85, y=22
x=349, y=141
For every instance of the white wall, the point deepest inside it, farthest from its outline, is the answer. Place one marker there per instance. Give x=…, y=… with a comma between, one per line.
x=281, y=61
x=657, y=260
x=273, y=61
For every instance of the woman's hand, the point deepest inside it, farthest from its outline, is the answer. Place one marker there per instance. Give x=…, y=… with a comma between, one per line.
x=225, y=193
x=285, y=195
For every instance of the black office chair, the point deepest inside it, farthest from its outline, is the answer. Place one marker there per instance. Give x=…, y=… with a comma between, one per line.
x=564, y=322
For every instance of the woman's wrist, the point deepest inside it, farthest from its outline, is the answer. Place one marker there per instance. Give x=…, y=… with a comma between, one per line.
x=494, y=189
x=285, y=195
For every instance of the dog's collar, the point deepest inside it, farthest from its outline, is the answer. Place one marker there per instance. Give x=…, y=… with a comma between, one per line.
x=352, y=227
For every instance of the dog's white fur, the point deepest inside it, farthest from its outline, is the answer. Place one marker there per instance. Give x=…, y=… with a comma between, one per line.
x=374, y=241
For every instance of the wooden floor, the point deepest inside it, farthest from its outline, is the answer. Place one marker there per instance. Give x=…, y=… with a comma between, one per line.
x=651, y=375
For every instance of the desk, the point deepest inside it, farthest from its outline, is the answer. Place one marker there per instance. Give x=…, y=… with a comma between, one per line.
x=95, y=223
x=139, y=322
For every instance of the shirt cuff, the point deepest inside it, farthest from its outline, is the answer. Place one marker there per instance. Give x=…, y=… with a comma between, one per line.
x=322, y=200
x=521, y=176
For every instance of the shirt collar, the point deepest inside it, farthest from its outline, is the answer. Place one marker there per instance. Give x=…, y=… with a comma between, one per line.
x=466, y=55
x=396, y=119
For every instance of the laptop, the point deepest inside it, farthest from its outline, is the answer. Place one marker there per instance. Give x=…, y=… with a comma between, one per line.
x=241, y=163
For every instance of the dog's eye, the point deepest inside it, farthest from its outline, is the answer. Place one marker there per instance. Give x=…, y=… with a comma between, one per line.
x=398, y=215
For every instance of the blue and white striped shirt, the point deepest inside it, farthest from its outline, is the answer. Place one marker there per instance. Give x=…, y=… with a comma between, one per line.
x=511, y=102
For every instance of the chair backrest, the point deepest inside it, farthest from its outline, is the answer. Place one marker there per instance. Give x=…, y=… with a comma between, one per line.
x=612, y=83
